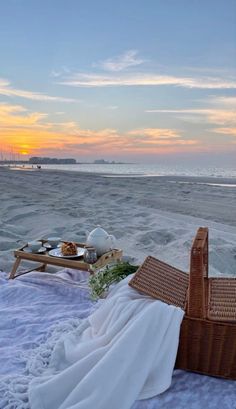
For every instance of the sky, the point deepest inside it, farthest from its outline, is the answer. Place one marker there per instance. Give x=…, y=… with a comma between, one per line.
x=133, y=80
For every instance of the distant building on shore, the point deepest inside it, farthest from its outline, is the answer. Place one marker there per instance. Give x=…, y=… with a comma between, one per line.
x=35, y=160
x=106, y=162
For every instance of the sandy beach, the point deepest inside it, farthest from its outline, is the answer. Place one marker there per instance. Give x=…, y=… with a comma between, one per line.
x=151, y=215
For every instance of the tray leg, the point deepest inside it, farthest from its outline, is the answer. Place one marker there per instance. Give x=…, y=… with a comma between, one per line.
x=15, y=267
x=42, y=267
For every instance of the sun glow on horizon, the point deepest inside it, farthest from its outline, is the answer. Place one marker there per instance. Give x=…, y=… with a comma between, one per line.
x=23, y=132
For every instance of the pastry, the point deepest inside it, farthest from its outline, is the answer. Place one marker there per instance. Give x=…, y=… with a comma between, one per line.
x=68, y=248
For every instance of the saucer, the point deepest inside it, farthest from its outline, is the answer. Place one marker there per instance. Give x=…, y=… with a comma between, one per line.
x=49, y=246
x=40, y=251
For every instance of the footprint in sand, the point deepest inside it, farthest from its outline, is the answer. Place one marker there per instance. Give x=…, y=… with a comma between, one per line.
x=160, y=237
x=8, y=245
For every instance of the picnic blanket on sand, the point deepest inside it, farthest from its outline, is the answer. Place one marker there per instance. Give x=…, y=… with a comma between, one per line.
x=42, y=317
x=125, y=350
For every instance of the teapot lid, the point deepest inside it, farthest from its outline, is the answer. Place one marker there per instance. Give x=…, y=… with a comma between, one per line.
x=98, y=232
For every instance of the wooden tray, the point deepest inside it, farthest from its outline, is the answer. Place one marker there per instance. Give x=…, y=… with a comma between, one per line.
x=77, y=263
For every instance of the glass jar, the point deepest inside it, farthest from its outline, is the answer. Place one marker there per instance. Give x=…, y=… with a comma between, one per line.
x=90, y=255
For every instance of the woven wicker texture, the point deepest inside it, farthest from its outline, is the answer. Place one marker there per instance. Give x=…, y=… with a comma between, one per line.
x=161, y=281
x=222, y=299
x=208, y=332
x=198, y=275
x=207, y=347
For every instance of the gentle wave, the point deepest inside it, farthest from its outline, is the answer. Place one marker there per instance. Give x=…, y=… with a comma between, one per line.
x=135, y=169
x=141, y=170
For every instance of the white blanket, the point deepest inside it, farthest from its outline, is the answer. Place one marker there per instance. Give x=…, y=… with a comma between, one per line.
x=124, y=351
x=37, y=308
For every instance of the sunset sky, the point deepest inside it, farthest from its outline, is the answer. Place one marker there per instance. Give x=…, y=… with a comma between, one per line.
x=121, y=80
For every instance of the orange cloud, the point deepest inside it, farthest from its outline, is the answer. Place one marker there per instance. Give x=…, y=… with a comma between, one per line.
x=31, y=133
x=155, y=133
x=226, y=131
x=16, y=115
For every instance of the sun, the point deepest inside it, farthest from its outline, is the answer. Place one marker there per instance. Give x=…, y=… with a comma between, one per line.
x=24, y=152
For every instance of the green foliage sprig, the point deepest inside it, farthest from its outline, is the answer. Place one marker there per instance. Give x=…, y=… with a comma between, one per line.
x=101, y=281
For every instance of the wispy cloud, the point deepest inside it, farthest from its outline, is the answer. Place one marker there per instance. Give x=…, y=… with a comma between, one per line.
x=7, y=90
x=121, y=62
x=226, y=131
x=223, y=71
x=55, y=73
x=157, y=137
x=213, y=116
x=224, y=117
x=112, y=107
x=155, y=133
x=227, y=101
x=146, y=79
x=58, y=73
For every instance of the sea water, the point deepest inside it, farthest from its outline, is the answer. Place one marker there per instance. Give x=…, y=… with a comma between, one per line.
x=137, y=169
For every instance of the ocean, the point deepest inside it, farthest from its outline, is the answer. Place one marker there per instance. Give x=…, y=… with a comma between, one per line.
x=136, y=169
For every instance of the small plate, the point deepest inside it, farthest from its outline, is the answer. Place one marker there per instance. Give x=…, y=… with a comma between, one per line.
x=40, y=251
x=49, y=247
x=57, y=253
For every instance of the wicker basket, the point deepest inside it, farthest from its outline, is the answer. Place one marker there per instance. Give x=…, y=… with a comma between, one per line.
x=208, y=332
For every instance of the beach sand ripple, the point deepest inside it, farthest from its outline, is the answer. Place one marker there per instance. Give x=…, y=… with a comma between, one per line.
x=151, y=215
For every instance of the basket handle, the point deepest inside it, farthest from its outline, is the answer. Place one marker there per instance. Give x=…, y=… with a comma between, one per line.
x=198, y=272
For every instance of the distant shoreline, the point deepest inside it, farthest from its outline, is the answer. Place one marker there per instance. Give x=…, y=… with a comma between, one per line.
x=141, y=170
x=199, y=180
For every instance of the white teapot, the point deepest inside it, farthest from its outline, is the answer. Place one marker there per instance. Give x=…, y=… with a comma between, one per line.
x=100, y=240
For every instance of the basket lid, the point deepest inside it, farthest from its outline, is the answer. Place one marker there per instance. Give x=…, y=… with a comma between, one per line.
x=161, y=281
